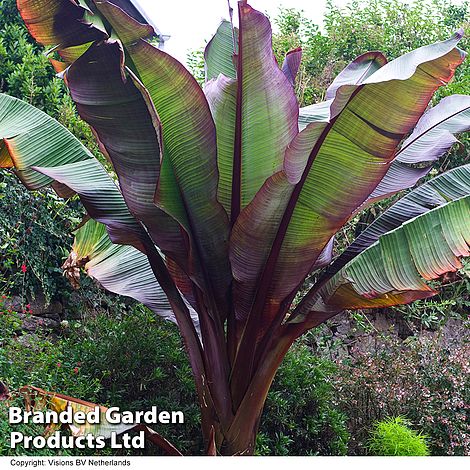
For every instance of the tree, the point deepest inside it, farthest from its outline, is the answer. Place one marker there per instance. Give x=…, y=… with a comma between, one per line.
x=389, y=26
x=223, y=207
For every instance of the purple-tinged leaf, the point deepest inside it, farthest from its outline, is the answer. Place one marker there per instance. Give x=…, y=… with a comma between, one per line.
x=131, y=136
x=291, y=64
x=393, y=270
x=59, y=23
x=430, y=140
x=260, y=107
x=329, y=167
x=189, y=142
x=437, y=192
x=357, y=72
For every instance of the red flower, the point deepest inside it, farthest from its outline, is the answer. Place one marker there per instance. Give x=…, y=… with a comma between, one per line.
x=59, y=365
x=75, y=370
x=24, y=268
x=28, y=306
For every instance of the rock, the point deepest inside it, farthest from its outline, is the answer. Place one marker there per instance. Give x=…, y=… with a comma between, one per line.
x=33, y=323
x=14, y=303
x=343, y=325
x=74, y=305
x=453, y=331
x=55, y=308
x=382, y=323
x=52, y=316
x=29, y=340
x=38, y=305
x=17, y=304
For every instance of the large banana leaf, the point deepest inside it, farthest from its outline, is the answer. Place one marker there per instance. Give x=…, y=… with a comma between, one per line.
x=112, y=101
x=220, y=52
x=452, y=185
x=189, y=143
x=432, y=137
x=42, y=150
x=447, y=187
x=118, y=268
x=189, y=138
x=255, y=114
x=330, y=169
x=60, y=23
x=394, y=270
x=354, y=74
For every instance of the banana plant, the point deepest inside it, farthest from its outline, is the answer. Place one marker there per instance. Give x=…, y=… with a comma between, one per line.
x=226, y=198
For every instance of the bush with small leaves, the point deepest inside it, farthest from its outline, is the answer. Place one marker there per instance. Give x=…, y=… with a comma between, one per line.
x=393, y=436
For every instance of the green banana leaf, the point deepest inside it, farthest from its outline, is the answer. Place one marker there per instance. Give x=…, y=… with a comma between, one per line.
x=220, y=52
x=120, y=269
x=394, y=269
x=255, y=115
x=42, y=150
x=450, y=186
x=330, y=169
x=189, y=141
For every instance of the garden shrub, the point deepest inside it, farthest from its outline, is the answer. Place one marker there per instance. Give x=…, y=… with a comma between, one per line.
x=299, y=417
x=393, y=437
x=424, y=379
x=35, y=232
x=140, y=362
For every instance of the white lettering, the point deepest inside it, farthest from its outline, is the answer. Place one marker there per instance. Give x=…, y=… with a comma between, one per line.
x=15, y=439
x=80, y=417
x=112, y=415
x=15, y=415
x=94, y=416
x=177, y=417
x=164, y=417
